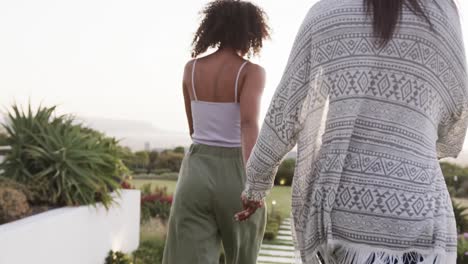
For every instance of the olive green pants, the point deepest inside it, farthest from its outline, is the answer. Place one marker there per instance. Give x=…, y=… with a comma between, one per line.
x=206, y=199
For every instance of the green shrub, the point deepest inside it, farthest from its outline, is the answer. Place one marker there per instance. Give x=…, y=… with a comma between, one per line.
x=462, y=190
x=150, y=252
x=153, y=161
x=222, y=257
x=13, y=205
x=138, y=170
x=462, y=250
x=145, y=214
x=157, y=203
x=460, y=213
x=117, y=258
x=452, y=191
x=285, y=173
x=145, y=176
x=171, y=176
x=162, y=171
x=3, y=139
x=170, y=160
x=141, y=160
x=157, y=208
x=146, y=189
x=180, y=150
x=62, y=162
x=450, y=171
x=272, y=227
x=271, y=232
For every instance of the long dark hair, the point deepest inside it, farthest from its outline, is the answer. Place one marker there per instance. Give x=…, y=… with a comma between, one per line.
x=386, y=14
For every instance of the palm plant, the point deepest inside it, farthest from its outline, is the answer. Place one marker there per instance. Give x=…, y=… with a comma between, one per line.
x=62, y=162
x=460, y=211
x=462, y=250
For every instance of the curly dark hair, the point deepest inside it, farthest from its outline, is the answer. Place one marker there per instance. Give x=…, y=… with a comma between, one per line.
x=236, y=24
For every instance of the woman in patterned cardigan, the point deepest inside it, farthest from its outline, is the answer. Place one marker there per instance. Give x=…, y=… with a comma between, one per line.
x=374, y=94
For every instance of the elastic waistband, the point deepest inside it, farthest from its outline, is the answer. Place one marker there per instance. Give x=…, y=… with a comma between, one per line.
x=222, y=152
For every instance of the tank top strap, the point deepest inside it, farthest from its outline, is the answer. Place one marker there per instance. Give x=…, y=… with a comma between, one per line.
x=237, y=79
x=193, y=80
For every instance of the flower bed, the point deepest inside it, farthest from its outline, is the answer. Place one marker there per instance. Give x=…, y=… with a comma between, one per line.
x=75, y=235
x=155, y=203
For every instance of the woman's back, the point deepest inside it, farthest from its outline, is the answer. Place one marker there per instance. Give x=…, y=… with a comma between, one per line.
x=215, y=76
x=216, y=83
x=222, y=94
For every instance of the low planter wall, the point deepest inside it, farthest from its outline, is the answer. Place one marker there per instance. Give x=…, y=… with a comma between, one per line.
x=80, y=235
x=3, y=152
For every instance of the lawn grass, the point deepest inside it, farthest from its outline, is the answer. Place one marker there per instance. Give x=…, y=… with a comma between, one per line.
x=170, y=185
x=280, y=194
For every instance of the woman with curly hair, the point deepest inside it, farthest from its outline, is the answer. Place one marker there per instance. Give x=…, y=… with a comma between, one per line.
x=222, y=94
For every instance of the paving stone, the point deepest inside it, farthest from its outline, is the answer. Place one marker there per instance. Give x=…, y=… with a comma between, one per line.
x=287, y=238
x=278, y=247
x=275, y=260
x=277, y=253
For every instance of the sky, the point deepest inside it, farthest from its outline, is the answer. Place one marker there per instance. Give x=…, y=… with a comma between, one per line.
x=120, y=59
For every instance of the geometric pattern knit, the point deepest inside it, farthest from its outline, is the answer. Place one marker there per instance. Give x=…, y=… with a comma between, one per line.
x=370, y=122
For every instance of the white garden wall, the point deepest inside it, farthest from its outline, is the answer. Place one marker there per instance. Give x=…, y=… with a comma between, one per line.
x=81, y=235
x=3, y=151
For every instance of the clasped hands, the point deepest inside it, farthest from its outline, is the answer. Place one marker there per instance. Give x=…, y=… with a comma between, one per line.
x=249, y=208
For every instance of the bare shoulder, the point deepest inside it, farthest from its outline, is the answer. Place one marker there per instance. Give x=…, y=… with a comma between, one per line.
x=188, y=69
x=189, y=65
x=255, y=78
x=255, y=70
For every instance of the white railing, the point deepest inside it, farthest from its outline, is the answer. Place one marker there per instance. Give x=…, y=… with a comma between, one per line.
x=3, y=152
x=4, y=149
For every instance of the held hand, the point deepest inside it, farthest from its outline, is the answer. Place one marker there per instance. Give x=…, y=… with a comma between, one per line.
x=250, y=207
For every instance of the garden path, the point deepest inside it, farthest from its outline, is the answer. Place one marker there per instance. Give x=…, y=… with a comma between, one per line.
x=282, y=251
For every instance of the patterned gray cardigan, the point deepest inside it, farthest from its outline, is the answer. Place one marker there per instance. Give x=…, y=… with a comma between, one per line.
x=370, y=123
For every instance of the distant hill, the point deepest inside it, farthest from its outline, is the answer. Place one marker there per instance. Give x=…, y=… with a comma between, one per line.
x=136, y=134
x=120, y=126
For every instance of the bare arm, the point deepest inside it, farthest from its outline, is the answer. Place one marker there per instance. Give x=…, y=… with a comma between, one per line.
x=187, y=99
x=250, y=108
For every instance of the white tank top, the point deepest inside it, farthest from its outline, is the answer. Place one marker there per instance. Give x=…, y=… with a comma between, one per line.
x=216, y=124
